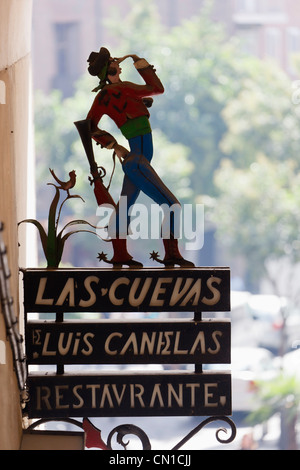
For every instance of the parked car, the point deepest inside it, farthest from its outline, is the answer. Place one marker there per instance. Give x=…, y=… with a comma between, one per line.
x=268, y=311
x=247, y=366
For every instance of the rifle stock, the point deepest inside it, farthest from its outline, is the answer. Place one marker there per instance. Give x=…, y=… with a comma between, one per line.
x=84, y=130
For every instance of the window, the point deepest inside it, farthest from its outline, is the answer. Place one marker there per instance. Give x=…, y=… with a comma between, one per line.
x=249, y=41
x=66, y=51
x=259, y=6
x=275, y=6
x=246, y=6
x=293, y=40
x=293, y=46
x=172, y=12
x=273, y=46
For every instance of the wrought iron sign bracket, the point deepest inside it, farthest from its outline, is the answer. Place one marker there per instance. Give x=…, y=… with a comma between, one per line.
x=93, y=437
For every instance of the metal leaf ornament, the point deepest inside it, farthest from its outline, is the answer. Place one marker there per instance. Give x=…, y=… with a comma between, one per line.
x=93, y=436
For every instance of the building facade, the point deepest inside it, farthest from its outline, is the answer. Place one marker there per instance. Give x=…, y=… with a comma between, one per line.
x=65, y=32
x=269, y=29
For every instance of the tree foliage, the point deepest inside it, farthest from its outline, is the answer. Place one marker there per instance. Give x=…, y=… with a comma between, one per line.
x=257, y=211
x=218, y=104
x=261, y=117
x=280, y=395
x=200, y=69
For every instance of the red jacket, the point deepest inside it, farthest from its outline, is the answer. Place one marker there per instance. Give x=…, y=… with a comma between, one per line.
x=123, y=101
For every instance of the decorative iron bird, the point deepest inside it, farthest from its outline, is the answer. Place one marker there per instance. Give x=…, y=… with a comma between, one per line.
x=67, y=184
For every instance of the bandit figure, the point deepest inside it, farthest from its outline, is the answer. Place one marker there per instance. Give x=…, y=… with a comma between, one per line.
x=127, y=105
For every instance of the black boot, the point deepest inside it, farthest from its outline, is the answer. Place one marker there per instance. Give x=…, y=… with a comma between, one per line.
x=173, y=256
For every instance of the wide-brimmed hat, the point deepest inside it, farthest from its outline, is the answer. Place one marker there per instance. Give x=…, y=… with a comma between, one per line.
x=98, y=62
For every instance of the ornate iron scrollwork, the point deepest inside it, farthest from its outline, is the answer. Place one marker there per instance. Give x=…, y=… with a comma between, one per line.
x=203, y=424
x=127, y=429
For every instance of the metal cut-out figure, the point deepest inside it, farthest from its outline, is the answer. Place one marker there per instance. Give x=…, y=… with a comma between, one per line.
x=127, y=105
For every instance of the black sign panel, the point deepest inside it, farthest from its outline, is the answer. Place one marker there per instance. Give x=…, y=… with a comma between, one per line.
x=142, y=342
x=181, y=394
x=109, y=290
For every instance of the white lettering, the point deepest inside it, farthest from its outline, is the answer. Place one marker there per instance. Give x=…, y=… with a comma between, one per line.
x=64, y=344
x=92, y=298
x=138, y=395
x=216, y=294
x=106, y=395
x=218, y=346
x=208, y=396
x=158, y=290
x=43, y=398
x=200, y=339
x=119, y=398
x=194, y=292
x=93, y=387
x=89, y=350
x=156, y=393
x=131, y=341
x=80, y=399
x=45, y=351
x=178, y=397
x=176, y=349
x=135, y=302
x=39, y=297
x=107, y=344
x=63, y=350
x=158, y=342
x=166, y=350
x=149, y=395
x=59, y=397
x=146, y=341
x=193, y=388
x=138, y=227
x=68, y=290
x=132, y=291
x=112, y=291
x=177, y=294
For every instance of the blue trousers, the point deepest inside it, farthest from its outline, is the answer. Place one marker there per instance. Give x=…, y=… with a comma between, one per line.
x=140, y=176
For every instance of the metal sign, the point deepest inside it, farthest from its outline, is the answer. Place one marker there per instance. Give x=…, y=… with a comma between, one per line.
x=171, y=341
x=106, y=342
x=121, y=290
x=142, y=342
x=168, y=394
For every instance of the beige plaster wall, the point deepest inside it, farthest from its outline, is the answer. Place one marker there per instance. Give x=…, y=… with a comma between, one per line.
x=15, y=153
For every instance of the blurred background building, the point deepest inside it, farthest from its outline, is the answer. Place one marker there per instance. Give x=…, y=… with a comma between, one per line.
x=65, y=32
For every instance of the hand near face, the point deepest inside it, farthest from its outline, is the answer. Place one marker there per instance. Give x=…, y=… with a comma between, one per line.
x=133, y=56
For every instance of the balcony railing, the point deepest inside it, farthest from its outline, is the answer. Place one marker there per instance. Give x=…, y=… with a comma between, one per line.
x=260, y=18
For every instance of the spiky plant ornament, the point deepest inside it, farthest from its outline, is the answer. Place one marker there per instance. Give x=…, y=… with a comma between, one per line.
x=53, y=240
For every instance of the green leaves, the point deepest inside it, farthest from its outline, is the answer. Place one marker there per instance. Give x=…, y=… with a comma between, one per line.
x=53, y=242
x=257, y=211
x=282, y=392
